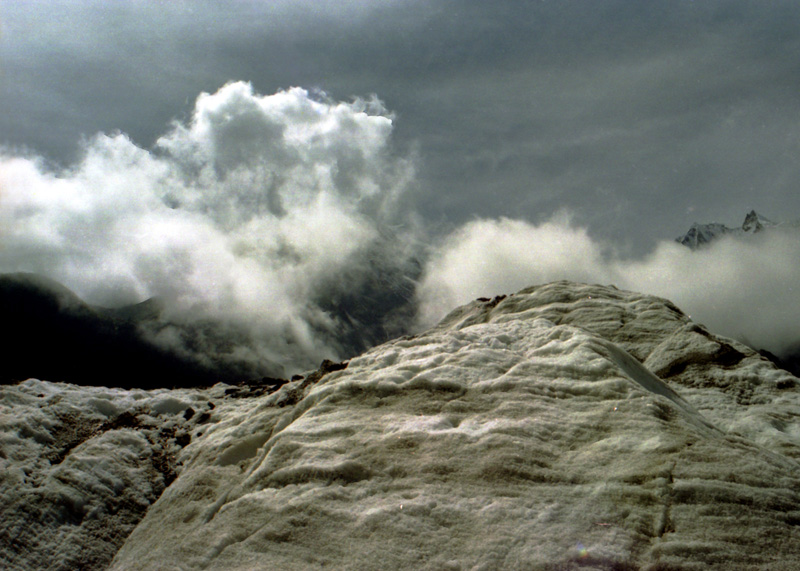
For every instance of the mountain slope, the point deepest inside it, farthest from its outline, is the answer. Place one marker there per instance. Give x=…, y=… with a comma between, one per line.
x=59, y=337
x=567, y=426
x=55, y=335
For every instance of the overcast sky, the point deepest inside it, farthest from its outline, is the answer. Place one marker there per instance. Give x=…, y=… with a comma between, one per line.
x=639, y=117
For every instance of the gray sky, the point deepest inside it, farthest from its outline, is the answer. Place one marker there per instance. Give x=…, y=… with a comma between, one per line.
x=640, y=117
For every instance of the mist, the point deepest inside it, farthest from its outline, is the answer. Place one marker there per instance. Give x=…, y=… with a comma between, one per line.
x=280, y=230
x=739, y=286
x=248, y=218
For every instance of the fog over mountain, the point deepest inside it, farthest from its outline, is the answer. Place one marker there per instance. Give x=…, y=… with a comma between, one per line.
x=257, y=216
x=293, y=181
x=278, y=230
x=304, y=284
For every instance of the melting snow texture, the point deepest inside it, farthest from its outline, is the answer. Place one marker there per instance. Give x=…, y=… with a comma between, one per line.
x=567, y=426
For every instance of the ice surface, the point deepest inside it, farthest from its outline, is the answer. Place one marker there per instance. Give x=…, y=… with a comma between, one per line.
x=79, y=467
x=567, y=426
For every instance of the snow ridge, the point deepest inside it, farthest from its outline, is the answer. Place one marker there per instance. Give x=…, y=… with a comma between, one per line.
x=567, y=426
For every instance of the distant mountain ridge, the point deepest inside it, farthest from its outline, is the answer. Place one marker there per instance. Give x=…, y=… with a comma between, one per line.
x=700, y=235
x=58, y=336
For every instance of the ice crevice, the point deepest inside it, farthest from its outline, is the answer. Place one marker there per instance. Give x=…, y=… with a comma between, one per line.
x=664, y=523
x=644, y=378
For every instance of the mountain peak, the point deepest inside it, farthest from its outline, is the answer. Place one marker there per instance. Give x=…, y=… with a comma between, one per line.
x=700, y=235
x=754, y=222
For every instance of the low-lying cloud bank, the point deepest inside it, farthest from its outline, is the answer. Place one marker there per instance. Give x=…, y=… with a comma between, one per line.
x=280, y=230
x=743, y=287
x=255, y=215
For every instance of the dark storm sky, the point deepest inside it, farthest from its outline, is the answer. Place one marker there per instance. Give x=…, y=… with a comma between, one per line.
x=639, y=117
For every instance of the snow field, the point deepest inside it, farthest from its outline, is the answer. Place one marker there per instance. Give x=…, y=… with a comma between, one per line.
x=508, y=444
x=566, y=427
x=78, y=469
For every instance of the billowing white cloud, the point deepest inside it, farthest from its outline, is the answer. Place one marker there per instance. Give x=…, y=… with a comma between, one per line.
x=252, y=213
x=490, y=257
x=743, y=287
x=278, y=229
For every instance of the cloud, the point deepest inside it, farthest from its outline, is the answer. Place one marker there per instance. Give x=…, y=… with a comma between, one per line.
x=628, y=113
x=251, y=215
x=490, y=257
x=279, y=230
x=741, y=287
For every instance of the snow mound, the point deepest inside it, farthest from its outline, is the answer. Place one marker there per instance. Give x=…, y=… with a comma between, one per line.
x=568, y=426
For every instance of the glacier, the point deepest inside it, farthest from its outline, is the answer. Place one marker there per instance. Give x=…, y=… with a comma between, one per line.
x=566, y=426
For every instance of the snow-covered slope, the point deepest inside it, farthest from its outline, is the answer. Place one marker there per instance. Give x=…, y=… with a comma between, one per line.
x=79, y=466
x=567, y=426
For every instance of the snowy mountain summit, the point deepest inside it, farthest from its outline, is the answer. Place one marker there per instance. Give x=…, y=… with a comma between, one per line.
x=700, y=235
x=567, y=426
x=754, y=222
